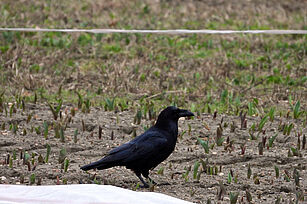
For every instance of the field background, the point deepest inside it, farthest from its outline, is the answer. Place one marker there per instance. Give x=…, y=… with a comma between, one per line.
x=109, y=87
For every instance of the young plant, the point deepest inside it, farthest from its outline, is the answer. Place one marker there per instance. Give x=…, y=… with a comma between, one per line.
x=48, y=153
x=296, y=110
x=138, y=117
x=99, y=132
x=32, y=179
x=248, y=196
x=110, y=104
x=62, y=155
x=55, y=111
x=276, y=171
x=186, y=174
x=62, y=136
x=262, y=123
x=76, y=136
x=271, y=114
x=46, y=129
x=233, y=197
x=260, y=148
x=249, y=172
x=272, y=139
x=219, y=139
x=204, y=144
x=161, y=171
x=80, y=100
x=66, y=163
x=195, y=170
x=229, y=178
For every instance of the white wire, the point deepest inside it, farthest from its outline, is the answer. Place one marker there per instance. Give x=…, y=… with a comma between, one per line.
x=177, y=31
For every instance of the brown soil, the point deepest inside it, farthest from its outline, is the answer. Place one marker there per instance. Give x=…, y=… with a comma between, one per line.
x=90, y=148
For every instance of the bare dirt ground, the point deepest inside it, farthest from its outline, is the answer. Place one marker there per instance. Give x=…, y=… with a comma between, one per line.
x=173, y=181
x=118, y=74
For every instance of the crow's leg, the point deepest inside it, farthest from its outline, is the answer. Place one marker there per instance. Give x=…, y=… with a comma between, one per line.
x=146, y=175
x=145, y=185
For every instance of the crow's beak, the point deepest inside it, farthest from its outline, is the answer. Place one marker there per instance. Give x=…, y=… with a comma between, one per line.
x=185, y=113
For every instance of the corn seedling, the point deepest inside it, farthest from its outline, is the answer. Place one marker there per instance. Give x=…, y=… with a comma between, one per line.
x=221, y=191
x=262, y=123
x=298, y=145
x=295, y=151
x=260, y=148
x=109, y=104
x=219, y=139
x=233, y=197
x=55, y=111
x=12, y=109
x=29, y=118
x=276, y=171
x=296, y=177
x=248, y=196
x=62, y=136
x=195, y=170
x=296, y=110
x=14, y=154
x=272, y=139
x=299, y=196
x=26, y=158
x=32, y=179
x=204, y=144
x=15, y=128
x=86, y=107
x=48, y=153
x=11, y=162
x=40, y=159
x=229, y=178
x=271, y=114
x=80, y=100
x=138, y=117
x=161, y=171
x=243, y=149
x=256, y=180
x=83, y=125
x=249, y=171
x=66, y=163
x=186, y=174
x=286, y=178
x=278, y=199
x=99, y=132
x=233, y=126
x=180, y=135
x=287, y=129
x=62, y=155
x=76, y=136
x=46, y=129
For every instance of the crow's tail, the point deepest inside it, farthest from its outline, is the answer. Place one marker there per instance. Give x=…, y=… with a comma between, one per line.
x=101, y=164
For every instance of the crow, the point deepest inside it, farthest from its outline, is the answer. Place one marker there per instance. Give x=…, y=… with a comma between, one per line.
x=147, y=150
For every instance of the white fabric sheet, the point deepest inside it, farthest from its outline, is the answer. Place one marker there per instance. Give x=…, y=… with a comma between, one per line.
x=80, y=193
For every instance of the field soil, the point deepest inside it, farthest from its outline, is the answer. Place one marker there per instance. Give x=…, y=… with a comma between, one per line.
x=170, y=175
x=111, y=77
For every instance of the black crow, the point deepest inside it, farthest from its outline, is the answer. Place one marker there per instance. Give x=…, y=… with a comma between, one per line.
x=147, y=150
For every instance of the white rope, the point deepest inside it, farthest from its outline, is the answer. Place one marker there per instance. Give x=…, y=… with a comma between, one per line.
x=177, y=31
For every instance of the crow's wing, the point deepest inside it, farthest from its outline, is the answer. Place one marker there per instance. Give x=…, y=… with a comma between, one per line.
x=145, y=146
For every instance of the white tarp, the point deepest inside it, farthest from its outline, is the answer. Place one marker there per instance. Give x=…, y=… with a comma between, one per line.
x=80, y=193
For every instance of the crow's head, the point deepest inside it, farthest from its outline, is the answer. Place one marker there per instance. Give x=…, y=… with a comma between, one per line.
x=173, y=113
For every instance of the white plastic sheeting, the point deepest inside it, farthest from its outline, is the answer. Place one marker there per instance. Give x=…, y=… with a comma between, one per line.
x=80, y=193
